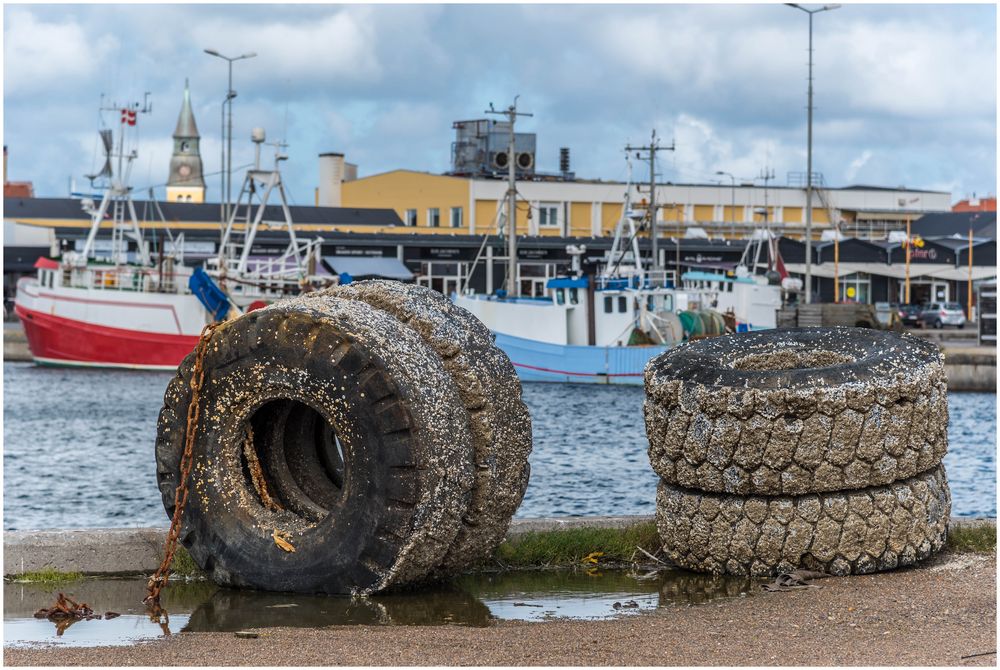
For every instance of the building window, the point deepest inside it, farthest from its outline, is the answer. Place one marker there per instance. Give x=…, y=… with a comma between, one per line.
x=856, y=287
x=411, y=218
x=548, y=216
x=433, y=217
x=456, y=217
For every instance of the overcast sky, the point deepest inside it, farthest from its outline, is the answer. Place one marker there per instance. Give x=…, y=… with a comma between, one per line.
x=905, y=94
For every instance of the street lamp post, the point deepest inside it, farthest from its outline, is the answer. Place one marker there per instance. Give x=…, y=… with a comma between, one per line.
x=809, y=146
x=227, y=167
x=732, y=209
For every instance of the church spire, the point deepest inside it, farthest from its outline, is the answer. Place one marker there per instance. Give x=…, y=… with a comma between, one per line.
x=186, y=127
x=186, y=182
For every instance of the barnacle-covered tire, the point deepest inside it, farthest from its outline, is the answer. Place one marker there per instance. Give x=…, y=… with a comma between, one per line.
x=491, y=393
x=362, y=441
x=796, y=411
x=851, y=532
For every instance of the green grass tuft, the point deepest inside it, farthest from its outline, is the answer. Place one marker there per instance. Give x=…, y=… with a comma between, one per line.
x=567, y=548
x=979, y=538
x=47, y=577
x=184, y=565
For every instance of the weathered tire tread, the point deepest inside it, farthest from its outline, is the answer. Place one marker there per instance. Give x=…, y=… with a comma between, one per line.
x=491, y=393
x=853, y=532
x=811, y=435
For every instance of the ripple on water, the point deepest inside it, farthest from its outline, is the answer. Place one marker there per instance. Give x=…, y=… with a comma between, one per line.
x=78, y=450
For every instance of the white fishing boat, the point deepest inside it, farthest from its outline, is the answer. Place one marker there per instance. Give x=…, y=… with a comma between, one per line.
x=604, y=328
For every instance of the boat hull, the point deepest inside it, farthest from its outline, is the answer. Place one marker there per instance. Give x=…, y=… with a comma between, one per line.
x=56, y=340
x=545, y=362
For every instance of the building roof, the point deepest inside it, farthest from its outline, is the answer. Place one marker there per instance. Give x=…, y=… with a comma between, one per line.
x=206, y=212
x=866, y=187
x=186, y=127
x=946, y=224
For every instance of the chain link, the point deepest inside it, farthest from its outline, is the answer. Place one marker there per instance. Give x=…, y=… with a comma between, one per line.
x=256, y=473
x=159, y=579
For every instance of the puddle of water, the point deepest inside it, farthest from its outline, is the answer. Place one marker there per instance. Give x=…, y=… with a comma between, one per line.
x=471, y=600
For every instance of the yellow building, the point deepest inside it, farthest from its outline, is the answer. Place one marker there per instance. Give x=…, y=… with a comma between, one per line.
x=444, y=204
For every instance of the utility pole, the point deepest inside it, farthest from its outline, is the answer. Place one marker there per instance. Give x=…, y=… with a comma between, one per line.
x=513, y=287
x=651, y=150
x=767, y=175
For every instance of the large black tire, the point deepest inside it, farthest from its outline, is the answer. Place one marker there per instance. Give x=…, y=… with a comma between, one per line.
x=796, y=411
x=362, y=439
x=857, y=532
x=491, y=393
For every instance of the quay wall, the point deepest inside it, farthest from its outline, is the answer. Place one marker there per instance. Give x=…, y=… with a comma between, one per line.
x=971, y=368
x=15, y=344
x=131, y=551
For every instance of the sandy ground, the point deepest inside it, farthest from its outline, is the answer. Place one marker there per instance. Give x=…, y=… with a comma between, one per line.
x=931, y=615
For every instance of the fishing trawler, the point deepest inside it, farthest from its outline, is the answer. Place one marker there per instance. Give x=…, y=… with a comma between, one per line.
x=603, y=329
x=122, y=309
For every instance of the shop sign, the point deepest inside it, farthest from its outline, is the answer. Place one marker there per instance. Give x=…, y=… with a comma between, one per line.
x=356, y=251
x=701, y=258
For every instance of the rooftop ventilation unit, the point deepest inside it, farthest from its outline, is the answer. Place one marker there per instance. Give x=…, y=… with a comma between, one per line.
x=481, y=149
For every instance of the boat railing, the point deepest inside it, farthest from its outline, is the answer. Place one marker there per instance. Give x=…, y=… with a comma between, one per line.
x=636, y=280
x=119, y=278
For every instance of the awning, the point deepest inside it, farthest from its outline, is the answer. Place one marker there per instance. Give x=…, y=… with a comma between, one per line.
x=358, y=267
x=896, y=271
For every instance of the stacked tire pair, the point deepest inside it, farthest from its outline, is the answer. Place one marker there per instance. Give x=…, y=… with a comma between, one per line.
x=807, y=447
x=373, y=428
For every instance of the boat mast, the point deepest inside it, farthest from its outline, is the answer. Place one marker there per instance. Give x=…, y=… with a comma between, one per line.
x=513, y=288
x=117, y=192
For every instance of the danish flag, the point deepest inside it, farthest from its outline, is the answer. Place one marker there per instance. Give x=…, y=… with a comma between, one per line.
x=128, y=116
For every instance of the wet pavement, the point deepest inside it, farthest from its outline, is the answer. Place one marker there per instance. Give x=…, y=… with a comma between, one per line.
x=472, y=600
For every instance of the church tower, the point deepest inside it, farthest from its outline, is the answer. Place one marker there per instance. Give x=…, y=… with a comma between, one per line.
x=186, y=183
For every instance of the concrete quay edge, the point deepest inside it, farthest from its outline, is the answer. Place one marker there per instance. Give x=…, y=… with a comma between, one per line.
x=131, y=551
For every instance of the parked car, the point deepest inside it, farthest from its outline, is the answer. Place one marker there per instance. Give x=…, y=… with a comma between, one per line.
x=910, y=315
x=940, y=314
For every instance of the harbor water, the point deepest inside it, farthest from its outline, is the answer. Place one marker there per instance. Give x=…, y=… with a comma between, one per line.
x=78, y=450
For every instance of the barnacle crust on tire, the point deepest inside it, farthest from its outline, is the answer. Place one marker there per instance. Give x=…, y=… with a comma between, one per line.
x=796, y=410
x=840, y=533
x=327, y=385
x=491, y=393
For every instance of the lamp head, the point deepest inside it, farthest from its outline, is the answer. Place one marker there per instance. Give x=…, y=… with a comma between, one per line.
x=213, y=52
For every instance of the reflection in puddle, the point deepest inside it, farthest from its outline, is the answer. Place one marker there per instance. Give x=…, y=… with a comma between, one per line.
x=471, y=600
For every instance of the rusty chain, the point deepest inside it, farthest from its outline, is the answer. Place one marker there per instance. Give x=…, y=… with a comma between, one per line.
x=256, y=473
x=159, y=579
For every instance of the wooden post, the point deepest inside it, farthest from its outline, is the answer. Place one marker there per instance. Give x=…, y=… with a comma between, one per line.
x=970, y=276
x=836, y=264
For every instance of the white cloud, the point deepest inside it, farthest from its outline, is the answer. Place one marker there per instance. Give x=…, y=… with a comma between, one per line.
x=337, y=47
x=41, y=56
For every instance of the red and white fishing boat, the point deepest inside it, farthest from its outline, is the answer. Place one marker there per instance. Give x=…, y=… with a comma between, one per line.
x=124, y=310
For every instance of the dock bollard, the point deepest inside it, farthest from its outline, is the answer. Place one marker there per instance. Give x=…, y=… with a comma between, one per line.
x=350, y=440
x=817, y=448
